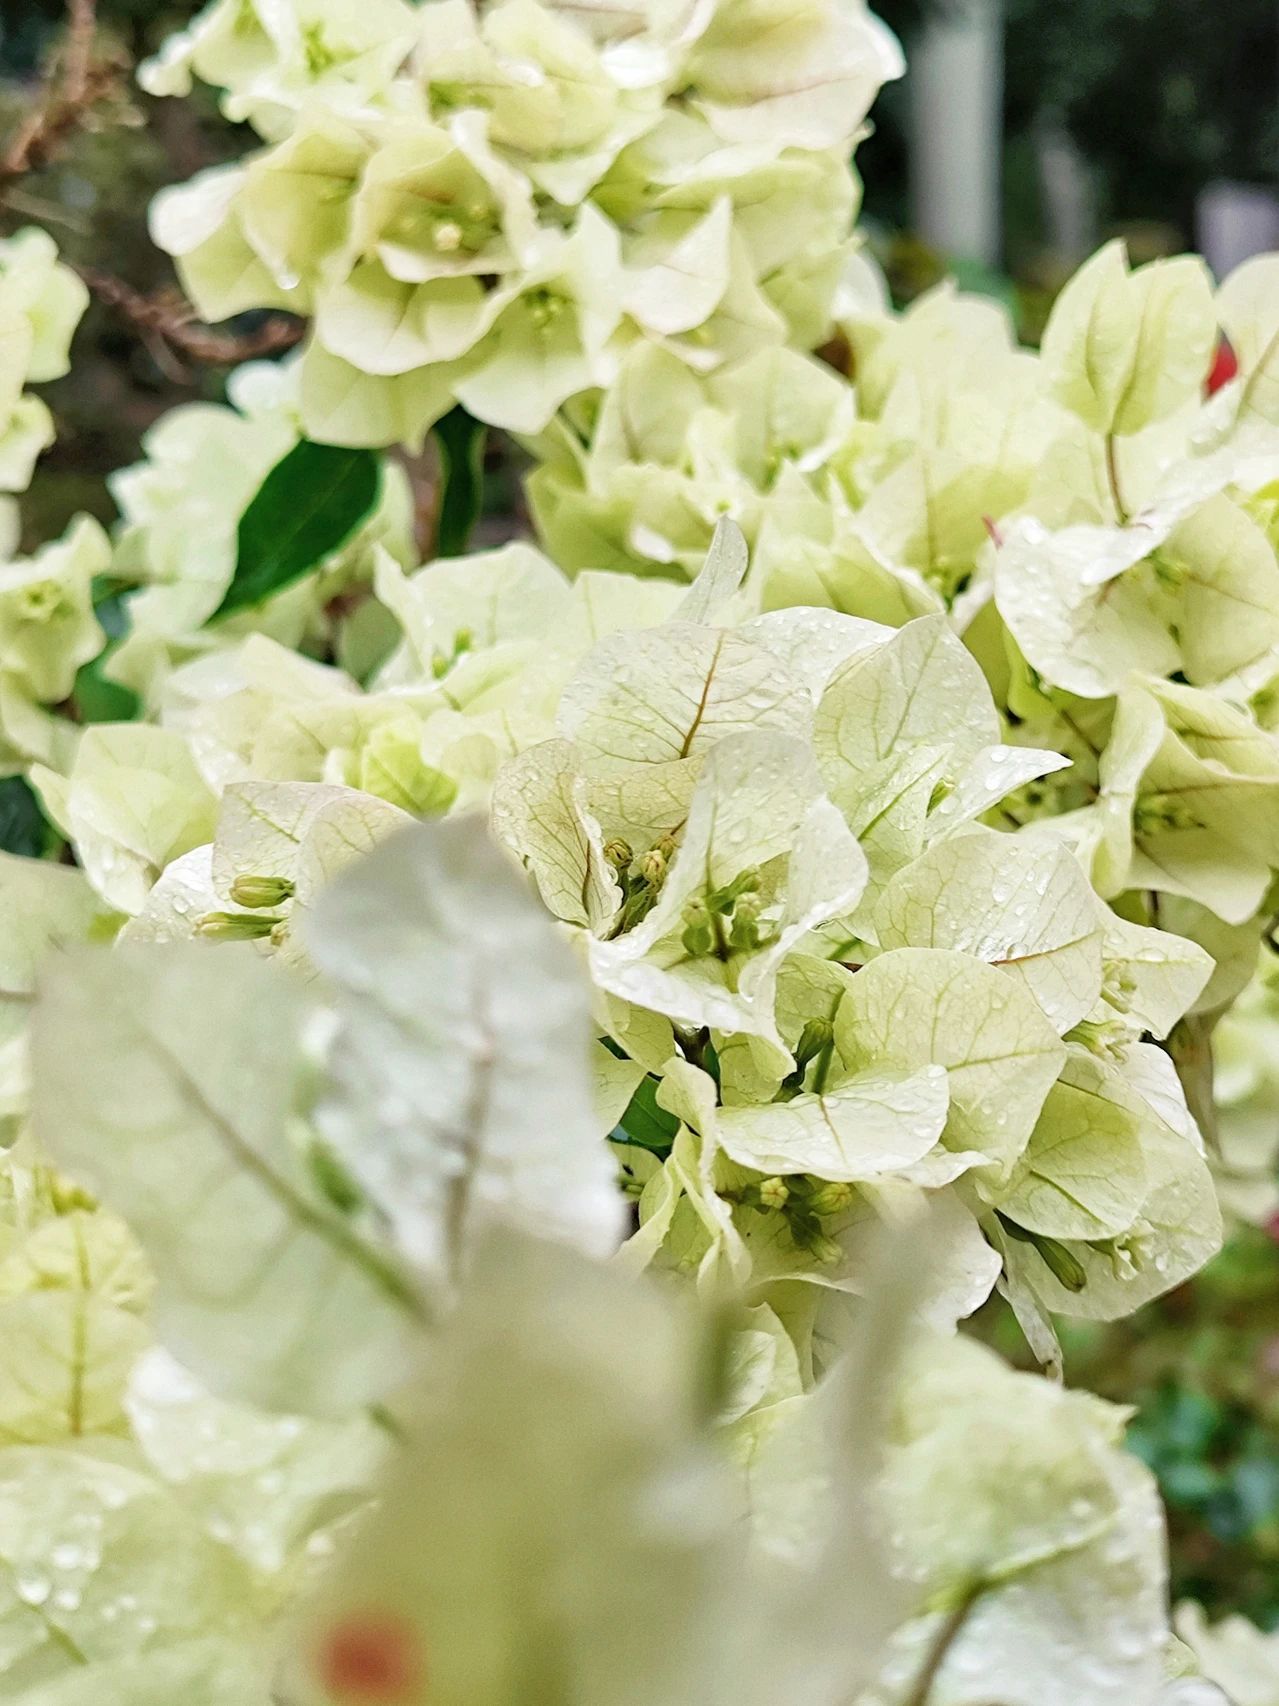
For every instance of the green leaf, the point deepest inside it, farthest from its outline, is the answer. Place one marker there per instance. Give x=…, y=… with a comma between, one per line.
x=98, y=699
x=307, y=508
x=461, y=439
x=646, y=1125
x=22, y=826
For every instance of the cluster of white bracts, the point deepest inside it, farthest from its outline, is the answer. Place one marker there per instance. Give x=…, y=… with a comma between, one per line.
x=490, y=205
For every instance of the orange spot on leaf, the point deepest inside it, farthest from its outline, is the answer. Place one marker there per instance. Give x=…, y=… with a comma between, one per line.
x=371, y=1657
x=1225, y=365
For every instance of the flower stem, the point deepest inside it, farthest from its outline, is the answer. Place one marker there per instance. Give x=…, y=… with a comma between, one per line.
x=1112, y=474
x=947, y=1634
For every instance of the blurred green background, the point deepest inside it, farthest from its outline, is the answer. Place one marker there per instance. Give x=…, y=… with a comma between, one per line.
x=1200, y=1368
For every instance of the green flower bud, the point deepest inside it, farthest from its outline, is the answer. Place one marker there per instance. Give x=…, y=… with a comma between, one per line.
x=744, y=883
x=234, y=927
x=1061, y=1262
x=442, y=662
x=745, y=931
x=817, y=1034
x=773, y=1193
x=1117, y=990
x=261, y=891
x=825, y=1250
x=1157, y=811
x=65, y=1196
x=1106, y=1038
x=815, y=1042
x=699, y=934
x=831, y=1198
x=806, y=1230
x=618, y=853
x=1065, y=1266
x=333, y=1180
x=652, y=868
x=1167, y=572
x=544, y=307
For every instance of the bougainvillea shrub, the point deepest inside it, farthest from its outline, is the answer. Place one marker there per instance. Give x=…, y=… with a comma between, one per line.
x=516, y=1069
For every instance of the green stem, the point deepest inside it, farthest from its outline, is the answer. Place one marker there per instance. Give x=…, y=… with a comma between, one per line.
x=693, y=1045
x=822, y=1070
x=1112, y=474
x=947, y=1634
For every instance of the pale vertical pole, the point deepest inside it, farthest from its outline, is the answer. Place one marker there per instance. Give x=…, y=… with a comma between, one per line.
x=956, y=79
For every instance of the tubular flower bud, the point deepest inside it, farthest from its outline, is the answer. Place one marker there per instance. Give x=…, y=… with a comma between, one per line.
x=817, y=1034
x=1154, y=812
x=1065, y=1267
x=825, y=1250
x=773, y=1193
x=260, y=892
x=333, y=1179
x=699, y=935
x=234, y=927
x=652, y=868
x=1117, y=990
x=831, y=1198
x=745, y=932
x=744, y=883
x=1106, y=1038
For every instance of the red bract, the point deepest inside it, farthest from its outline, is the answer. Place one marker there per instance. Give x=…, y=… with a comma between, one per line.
x=1225, y=365
x=371, y=1658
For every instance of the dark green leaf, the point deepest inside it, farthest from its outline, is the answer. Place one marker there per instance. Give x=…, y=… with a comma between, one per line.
x=22, y=826
x=310, y=504
x=461, y=440
x=96, y=699
x=644, y=1124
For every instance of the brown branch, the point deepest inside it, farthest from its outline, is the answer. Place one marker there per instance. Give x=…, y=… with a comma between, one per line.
x=167, y=319
x=82, y=25
x=74, y=85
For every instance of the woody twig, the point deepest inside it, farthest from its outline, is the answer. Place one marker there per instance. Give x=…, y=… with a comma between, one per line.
x=167, y=317
x=78, y=82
